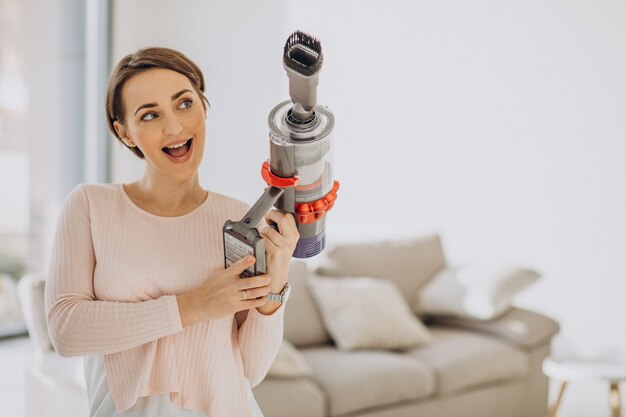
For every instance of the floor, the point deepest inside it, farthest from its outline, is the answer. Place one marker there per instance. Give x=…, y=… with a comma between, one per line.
x=580, y=399
x=15, y=354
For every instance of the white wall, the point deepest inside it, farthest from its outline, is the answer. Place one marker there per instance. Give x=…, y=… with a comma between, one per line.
x=497, y=124
x=233, y=44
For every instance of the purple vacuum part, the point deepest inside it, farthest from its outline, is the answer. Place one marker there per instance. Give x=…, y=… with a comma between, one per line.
x=311, y=246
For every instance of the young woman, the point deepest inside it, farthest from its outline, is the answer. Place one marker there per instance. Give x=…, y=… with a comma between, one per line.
x=137, y=282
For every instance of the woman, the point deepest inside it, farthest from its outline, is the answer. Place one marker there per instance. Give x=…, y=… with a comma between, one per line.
x=137, y=282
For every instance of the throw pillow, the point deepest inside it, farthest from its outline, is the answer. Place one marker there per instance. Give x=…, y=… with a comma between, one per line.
x=473, y=292
x=366, y=313
x=289, y=363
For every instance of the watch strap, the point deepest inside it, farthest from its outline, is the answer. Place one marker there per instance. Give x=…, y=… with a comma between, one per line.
x=277, y=297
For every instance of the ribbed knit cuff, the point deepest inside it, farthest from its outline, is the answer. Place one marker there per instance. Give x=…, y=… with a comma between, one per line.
x=279, y=312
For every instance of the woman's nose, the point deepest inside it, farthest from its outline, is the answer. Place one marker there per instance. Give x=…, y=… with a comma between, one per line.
x=173, y=126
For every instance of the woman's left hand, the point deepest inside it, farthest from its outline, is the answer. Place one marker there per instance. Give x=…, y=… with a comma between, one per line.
x=279, y=247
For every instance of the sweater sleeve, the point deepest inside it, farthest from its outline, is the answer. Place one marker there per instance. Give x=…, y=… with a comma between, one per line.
x=79, y=324
x=260, y=337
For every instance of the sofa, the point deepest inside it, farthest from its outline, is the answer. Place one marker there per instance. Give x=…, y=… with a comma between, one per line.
x=469, y=367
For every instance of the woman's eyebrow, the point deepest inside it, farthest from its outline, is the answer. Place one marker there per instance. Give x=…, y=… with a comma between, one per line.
x=180, y=93
x=174, y=97
x=143, y=106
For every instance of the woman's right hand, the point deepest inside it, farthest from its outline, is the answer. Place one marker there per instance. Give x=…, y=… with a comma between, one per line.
x=221, y=294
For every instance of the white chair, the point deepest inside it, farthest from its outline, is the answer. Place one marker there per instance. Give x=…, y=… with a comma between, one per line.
x=55, y=386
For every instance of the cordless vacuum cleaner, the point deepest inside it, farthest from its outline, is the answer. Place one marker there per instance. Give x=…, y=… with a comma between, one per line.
x=299, y=172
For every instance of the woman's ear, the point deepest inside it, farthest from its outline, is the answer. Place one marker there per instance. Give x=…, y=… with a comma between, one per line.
x=122, y=134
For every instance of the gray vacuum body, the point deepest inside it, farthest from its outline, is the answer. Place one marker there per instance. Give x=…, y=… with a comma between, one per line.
x=303, y=150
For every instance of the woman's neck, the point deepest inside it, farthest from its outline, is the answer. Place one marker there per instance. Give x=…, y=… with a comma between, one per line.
x=166, y=196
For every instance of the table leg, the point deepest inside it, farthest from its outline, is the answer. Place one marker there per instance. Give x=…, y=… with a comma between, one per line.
x=615, y=406
x=555, y=407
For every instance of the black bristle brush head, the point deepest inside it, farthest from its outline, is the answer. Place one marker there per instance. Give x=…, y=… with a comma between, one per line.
x=303, y=53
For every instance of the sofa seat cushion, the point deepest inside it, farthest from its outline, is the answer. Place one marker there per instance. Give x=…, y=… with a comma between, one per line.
x=361, y=379
x=288, y=397
x=462, y=359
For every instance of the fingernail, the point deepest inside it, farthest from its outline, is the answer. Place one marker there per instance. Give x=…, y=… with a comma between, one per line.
x=249, y=258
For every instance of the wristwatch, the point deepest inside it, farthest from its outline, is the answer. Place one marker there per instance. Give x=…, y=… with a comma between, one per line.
x=282, y=297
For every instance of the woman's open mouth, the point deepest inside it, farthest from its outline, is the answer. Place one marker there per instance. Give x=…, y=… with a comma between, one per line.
x=179, y=153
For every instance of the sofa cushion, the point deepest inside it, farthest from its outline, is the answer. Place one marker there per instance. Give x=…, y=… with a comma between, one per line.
x=420, y=260
x=289, y=363
x=360, y=379
x=366, y=313
x=303, y=323
x=480, y=292
x=290, y=397
x=462, y=359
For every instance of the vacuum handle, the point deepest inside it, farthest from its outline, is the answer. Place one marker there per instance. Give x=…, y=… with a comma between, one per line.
x=262, y=206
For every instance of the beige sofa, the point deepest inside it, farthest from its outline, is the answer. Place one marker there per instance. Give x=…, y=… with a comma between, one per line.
x=471, y=368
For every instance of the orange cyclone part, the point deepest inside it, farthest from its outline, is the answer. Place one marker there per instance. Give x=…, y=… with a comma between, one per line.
x=276, y=181
x=315, y=210
x=304, y=214
x=307, y=212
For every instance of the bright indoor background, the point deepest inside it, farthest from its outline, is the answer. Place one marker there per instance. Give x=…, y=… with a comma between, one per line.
x=499, y=125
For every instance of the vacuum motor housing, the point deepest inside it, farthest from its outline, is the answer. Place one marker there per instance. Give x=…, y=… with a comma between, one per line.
x=302, y=150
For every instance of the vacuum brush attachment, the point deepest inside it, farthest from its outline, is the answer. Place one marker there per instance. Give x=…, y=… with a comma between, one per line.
x=302, y=59
x=301, y=137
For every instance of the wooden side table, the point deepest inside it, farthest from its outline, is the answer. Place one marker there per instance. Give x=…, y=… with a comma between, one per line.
x=572, y=370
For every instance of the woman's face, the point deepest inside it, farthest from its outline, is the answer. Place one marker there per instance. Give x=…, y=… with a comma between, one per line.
x=166, y=120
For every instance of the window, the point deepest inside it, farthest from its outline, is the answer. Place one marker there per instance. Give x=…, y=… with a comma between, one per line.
x=14, y=170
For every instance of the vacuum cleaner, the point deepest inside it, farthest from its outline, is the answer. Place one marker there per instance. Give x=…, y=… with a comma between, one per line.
x=298, y=173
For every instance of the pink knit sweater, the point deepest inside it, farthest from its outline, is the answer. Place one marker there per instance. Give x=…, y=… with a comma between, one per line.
x=110, y=291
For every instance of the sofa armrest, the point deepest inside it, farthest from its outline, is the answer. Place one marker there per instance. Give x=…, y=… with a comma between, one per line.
x=522, y=328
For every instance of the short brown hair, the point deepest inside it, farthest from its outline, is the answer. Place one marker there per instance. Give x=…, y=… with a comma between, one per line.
x=142, y=60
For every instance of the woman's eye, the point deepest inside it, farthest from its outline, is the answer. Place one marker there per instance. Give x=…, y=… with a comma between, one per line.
x=148, y=117
x=185, y=104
